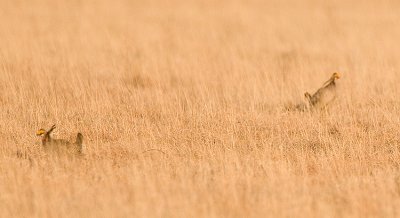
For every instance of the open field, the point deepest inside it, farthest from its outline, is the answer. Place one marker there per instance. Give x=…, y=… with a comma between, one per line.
x=181, y=108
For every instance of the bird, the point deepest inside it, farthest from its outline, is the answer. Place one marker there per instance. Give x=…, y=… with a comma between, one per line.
x=324, y=95
x=58, y=145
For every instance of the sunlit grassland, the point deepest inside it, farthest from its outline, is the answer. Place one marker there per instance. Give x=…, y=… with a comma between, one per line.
x=181, y=104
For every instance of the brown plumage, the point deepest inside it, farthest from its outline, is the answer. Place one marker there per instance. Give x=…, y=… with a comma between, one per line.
x=324, y=95
x=59, y=145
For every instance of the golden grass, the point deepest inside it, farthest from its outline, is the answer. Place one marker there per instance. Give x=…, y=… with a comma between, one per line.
x=203, y=83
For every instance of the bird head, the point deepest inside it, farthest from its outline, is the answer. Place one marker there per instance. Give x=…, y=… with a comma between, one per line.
x=40, y=132
x=336, y=75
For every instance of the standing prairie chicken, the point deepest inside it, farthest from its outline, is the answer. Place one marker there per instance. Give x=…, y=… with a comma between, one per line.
x=60, y=145
x=324, y=95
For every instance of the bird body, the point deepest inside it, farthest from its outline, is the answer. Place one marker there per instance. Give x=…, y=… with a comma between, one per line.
x=60, y=145
x=324, y=95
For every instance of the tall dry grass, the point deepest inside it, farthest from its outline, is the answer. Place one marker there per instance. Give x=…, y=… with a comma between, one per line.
x=203, y=84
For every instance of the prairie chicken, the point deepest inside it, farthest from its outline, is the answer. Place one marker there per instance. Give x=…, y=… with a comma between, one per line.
x=324, y=95
x=59, y=145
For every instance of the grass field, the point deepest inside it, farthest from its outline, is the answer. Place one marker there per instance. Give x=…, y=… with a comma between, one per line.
x=181, y=104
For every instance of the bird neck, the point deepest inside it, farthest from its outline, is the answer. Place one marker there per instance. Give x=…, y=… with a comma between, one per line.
x=46, y=138
x=330, y=81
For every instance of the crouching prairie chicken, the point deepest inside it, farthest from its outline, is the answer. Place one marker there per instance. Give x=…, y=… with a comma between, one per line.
x=60, y=145
x=324, y=95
